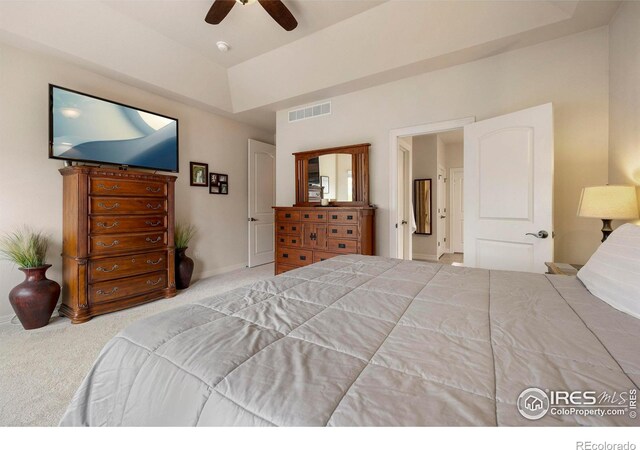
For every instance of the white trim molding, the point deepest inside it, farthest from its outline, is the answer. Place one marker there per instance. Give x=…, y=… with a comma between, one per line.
x=417, y=130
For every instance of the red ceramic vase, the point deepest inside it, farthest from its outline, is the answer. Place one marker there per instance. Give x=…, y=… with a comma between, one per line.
x=35, y=298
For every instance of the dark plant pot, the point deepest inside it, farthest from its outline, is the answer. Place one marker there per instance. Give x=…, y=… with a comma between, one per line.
x=35, y=298
x=184, y=269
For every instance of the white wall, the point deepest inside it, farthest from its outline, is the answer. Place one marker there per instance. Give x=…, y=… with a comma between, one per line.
x=624, y=96
x=31, y=187
x=571, y=72
x=425, y=165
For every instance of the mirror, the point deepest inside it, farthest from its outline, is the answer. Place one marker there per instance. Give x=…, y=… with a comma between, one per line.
x=339, y=174
x=422, y=205
x=331, y=177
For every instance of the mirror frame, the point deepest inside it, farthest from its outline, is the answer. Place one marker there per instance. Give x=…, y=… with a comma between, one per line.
x=359, y=166
x=415, y=203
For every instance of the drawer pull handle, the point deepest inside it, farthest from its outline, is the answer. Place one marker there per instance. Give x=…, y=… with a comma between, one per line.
x=153, y=224
x=349, y=217
x=306, y=216
x=281, y=240
x=153, y=283
x=102, y=244
x=287, y=216
x=303, y=258
x=349, y=231
x=150, y=206
x=150, y=189
x=102, y=269
x=342, y=245
x=104, y=225
x=105, y=188
x=334, y=231
x=154, y=263
x=285, y=255
x=111, y=292
x=334, y=217
x=293, y=228
x=293, y=241
x=320, y=216
x=114, y=206
x=153, y=241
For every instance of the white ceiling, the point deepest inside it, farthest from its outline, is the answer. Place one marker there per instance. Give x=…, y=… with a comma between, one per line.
x=248, y=29
x=339, y=46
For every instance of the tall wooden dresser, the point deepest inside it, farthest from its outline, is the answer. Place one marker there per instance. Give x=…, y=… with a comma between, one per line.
x=118, y=247
x=305, y=235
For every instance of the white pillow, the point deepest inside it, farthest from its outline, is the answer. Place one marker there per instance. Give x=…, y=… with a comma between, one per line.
x=613, y=272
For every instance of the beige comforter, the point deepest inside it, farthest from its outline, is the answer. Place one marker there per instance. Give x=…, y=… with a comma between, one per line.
x=359, y=340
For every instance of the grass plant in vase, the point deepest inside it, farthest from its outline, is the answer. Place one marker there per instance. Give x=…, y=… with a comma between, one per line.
x=36, y=297
x=184, y=265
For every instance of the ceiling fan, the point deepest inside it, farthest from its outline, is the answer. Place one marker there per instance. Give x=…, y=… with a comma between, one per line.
x=275, y=8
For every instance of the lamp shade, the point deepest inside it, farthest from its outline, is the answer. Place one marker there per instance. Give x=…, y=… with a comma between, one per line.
x=609, y=202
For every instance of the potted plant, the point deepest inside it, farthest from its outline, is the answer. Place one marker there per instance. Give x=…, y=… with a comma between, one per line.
x=36, y=297
x=184, y=265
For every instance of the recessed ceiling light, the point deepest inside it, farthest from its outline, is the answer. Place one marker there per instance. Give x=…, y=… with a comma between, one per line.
x=223, y=46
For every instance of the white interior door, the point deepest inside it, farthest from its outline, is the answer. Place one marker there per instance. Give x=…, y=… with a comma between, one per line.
x=508, y=191
x=441, y=231
x=405, y=211
x=262, y=197
x=456, y=215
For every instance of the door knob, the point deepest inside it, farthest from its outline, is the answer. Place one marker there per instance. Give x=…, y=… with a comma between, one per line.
x=542, y=234
x=443, y=217
x=251, y=219
x=404, y=222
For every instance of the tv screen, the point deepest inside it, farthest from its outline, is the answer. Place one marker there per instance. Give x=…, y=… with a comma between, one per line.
x=90, y=129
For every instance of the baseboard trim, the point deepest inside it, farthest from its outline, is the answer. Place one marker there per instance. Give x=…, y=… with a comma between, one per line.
x=6, y=318
x=218, y=271
x=425, y=257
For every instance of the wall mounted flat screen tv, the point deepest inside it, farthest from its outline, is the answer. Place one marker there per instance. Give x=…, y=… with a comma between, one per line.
x=90, y=129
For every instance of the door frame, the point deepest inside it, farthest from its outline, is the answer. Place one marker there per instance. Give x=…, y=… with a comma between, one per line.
x=428, y=128
x=441, y=206
x=453, y=213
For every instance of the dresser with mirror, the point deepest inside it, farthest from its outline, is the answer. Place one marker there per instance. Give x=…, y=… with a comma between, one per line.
x=332, y=215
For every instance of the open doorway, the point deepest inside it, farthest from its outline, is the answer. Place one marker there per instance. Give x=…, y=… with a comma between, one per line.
x=436, y=211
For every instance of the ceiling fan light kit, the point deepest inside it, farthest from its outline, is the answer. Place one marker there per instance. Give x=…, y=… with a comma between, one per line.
x=275, y=8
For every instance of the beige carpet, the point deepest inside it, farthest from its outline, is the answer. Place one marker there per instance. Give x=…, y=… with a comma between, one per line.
x=40, y=370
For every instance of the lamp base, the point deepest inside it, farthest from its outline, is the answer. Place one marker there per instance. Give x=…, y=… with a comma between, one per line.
x=606, y=229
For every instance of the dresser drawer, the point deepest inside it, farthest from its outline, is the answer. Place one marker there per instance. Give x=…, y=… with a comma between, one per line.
x=114, y=224
x=103, y=244
x=282, y=268
x=313, y=216
x=289, y=228
x=288, y=216
x=123, y=205
x=346, y=217
x=294, y=256
x=126, y=266
x=342, y=231
x=110, y=186
x=323, y=256
x=342, y=246
x=113, y=290
x=288, y=240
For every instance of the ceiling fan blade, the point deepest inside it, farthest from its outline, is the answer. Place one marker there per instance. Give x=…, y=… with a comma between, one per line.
x=219, y=11
x=279, y=13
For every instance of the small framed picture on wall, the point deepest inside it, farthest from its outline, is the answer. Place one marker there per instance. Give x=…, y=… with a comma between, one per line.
x=219, y=183
x=199, y=173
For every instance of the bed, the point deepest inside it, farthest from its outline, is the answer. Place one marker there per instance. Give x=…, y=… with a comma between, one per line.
x=366, y=341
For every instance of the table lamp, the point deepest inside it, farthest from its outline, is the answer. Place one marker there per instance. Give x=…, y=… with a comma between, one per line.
x=608, y=203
